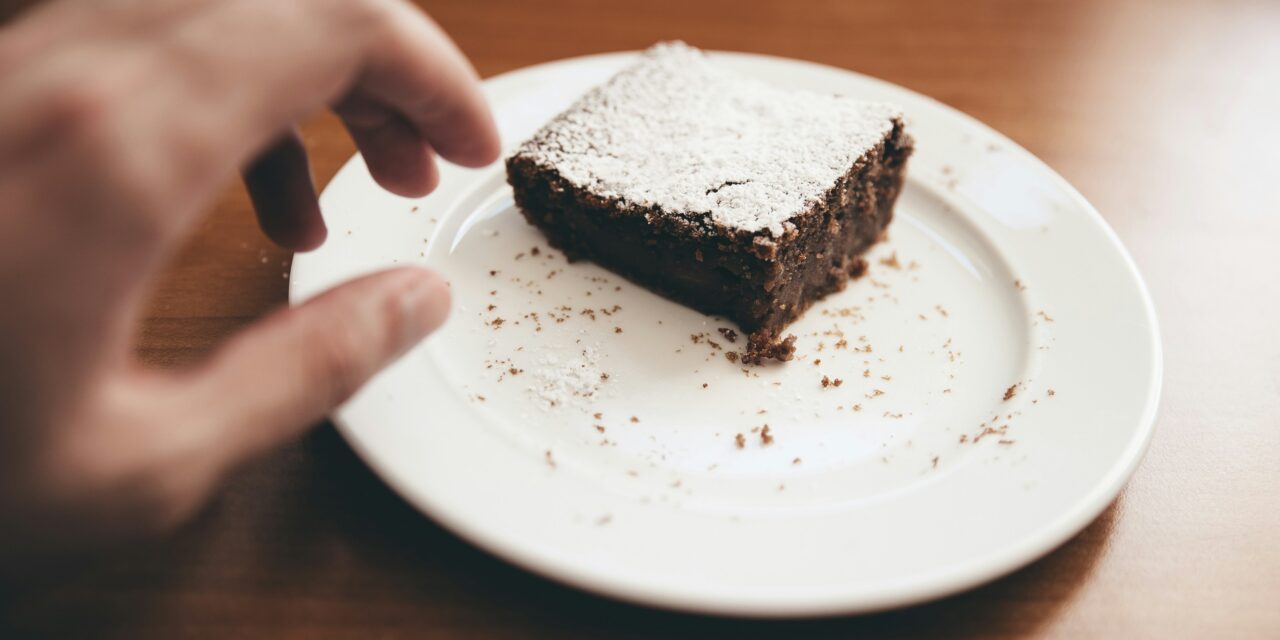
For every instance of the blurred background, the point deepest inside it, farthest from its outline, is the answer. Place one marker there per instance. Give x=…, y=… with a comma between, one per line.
x=1163, y=113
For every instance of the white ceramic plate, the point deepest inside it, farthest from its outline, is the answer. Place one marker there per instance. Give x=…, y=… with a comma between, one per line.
x=912, y=478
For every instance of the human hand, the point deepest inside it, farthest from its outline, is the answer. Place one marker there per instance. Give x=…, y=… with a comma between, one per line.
x=119, y=122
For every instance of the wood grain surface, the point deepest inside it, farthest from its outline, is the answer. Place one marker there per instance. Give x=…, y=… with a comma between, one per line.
x=1164, y=114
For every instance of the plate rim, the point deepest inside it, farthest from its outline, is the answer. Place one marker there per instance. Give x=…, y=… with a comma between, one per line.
x=972, y=573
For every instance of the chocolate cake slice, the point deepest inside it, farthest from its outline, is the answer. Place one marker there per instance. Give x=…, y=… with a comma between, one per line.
x=718, y=191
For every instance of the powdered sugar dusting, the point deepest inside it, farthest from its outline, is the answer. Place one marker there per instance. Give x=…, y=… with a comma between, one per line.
x=676, y=132
x=567, y=382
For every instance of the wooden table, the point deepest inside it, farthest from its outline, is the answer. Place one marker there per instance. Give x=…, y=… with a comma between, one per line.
x=1163, y=113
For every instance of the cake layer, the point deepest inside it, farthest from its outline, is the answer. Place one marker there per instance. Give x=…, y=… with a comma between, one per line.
x=759, y=282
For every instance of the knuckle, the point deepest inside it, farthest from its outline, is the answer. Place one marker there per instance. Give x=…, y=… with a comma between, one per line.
x=89, y=119
x=82, y=109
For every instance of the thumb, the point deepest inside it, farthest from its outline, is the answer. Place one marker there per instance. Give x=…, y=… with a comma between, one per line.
x=293, y=368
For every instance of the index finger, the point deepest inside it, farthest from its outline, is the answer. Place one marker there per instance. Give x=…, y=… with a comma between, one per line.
x=423, y=76
x=215, y=86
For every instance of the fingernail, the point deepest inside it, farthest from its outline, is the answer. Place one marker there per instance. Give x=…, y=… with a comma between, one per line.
x=425, y=304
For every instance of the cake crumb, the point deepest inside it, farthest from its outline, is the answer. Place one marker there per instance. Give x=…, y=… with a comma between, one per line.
x=1051, y=393
x=729, y=334
x=796, y=461
x=766, y=438
x=603, y=520
x=935, y=462
x=1009, y=393
x=891, y=261
x=989, y=431
x=760, y=349
x=634, y=420
x=551, y=461
x=740, y=441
